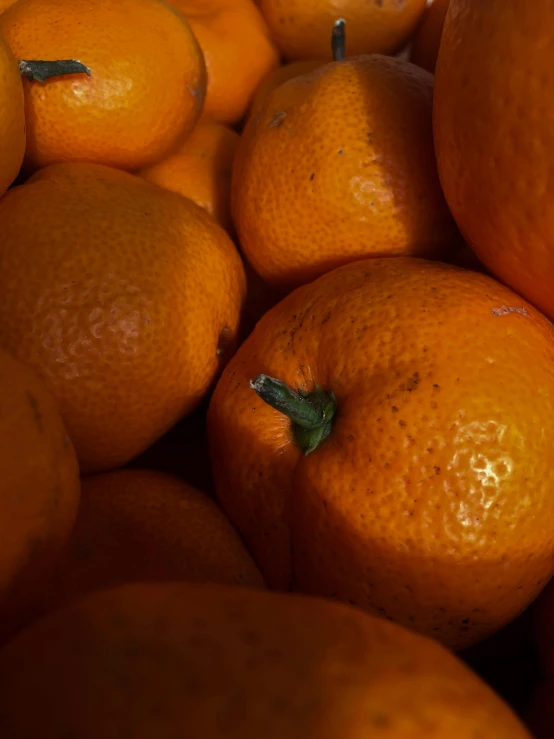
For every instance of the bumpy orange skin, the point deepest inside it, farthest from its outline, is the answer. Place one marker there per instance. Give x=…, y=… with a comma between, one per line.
x=39, y=488
x=145, y=92
x=494, y=140
x=432, y=502
x=238, y=50
x=201, y=169
x=175, y=660
x=12, y=118
x=126, y=297
x=302, y=28
x=427, y=39
x=279, y=75
x=143, y=525
x=338, y=165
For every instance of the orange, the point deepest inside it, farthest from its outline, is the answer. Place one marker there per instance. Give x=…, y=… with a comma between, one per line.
x=277, y=76
x=176, y=660
x=339, y=164
x=238, y=51
x=200, y=169
x=144, y=93
x=124, y=296
x=429, y=497
x=493, y=81
x=427, y=39
x=138, y=525
x=4, y=4
x=12, y=118
x=301, y=28
x=39, y=487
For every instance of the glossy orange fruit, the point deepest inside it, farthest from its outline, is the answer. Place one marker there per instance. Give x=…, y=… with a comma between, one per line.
x=12, y=118
x=493, y=78
x=277, y=76
x=143, y=525
x=427, y=39
x=301, y=28
x=126, y=297
x=338, y=165
x=144, y=93
x=200, y=169
x=177, y=659
x=238, y=50
x=39, y=488
x=430, y=502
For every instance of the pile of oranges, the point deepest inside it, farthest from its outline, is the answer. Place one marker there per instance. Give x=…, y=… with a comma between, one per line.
x=276, y=369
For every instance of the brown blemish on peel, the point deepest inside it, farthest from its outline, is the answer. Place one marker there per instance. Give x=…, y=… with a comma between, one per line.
x=277, y=119
x=505, y=310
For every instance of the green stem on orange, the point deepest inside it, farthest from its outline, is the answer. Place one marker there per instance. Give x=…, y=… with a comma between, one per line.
x=338, y=40
x=39, y=71
x=311, y=413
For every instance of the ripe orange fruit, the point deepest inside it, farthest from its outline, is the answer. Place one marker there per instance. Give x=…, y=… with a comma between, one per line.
x=500, y=192
x=365, y=183
x=431, y=500
x=200, y=169
x=12, y=118
x=145, y=525
x=277, y=76
x=427, y=39
x=146, y=87
x=39, y=487
x=178, y=659
x=238, y=50
x=126, y=297
x=301, y=28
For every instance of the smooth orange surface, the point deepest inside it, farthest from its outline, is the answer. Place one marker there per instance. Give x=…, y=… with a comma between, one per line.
x=277, y=76
x=494, y=138
x=427, y=39
x=143, y=525
x=146, y=88
x=4, y=4
x=179, y=660
x=200, y=169
x=338, y=165
x=238, y=50
x=302, y=28
x=124, y=296
x=12, y=118
x=432, y=502
x=39, y=487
